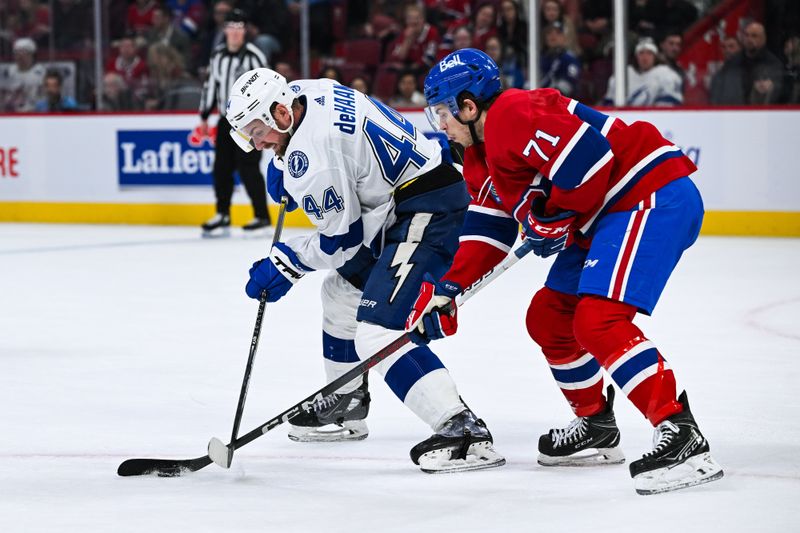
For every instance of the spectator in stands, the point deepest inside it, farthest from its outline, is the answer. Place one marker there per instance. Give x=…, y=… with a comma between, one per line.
x=361, y=83
x=53, y=100
x=272, y=20
x=650, y=17
x=163, y=31
x=319, y=21
x=140, y=16
x=406, y=92
x=791, y=73
x=188, y=15
x=332, y=73
x=484, y=24
x=511, y=72
x=730, y=46
x=23, y=86
x=752, y=76
x=595, y=36
x=215, y=34
x=649, y=83
x=456, y=39
x=170, y=86
x=73, y=27
x=284, y=68
x=551, y=12
x=671, y=45
x=560, y=69
x=116, y=95
x=446, y=13
x=513, y=32
x=462, y=38
x=33, y=20
x=416, y=46
x=130, y=66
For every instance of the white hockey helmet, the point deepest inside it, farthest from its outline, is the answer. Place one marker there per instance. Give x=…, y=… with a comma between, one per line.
x=251, y=97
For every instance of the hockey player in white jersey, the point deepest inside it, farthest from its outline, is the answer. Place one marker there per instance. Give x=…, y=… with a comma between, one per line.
x=388, y=206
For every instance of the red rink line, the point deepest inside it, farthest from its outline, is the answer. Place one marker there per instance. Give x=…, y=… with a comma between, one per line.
x=753, y=319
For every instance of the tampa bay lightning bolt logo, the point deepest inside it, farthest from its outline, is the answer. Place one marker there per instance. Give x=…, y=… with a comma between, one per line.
x=297, y=164
x=228, y=107
x=295, y=88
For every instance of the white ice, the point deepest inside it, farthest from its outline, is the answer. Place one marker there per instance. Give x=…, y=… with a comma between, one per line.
x=120, y=342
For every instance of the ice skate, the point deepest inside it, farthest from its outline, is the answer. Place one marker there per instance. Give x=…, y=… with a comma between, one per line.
x=463, y=443
x=258, y=227
x=680, y=458
x=337, y=417
x=217, y=226
x=586, y=441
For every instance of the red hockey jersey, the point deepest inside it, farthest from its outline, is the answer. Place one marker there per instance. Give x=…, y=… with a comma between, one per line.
x=537, y=140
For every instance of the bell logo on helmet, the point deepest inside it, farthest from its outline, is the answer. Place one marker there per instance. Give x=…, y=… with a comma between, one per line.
x=450, y=63
x=249, y=82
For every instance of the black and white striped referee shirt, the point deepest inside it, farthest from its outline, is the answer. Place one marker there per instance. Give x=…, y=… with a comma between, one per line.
x=224, y=68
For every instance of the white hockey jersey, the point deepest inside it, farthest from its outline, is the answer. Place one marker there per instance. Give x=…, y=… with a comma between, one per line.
x=659, y=86
x=342, y=165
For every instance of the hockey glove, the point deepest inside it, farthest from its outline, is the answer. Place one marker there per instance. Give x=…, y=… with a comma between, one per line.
x=276, y=274
x=434, y=314
x=549, y=234
x=275, y=186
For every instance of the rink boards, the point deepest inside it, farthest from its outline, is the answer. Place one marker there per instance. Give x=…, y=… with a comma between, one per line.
x=156, y=169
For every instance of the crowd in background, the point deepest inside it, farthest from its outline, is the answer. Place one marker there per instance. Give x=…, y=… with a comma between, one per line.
x=157, y=52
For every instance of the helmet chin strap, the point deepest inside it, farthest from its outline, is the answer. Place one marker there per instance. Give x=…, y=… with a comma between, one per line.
x=471, y=125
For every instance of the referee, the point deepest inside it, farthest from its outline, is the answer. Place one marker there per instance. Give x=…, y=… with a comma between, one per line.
x=229, y=60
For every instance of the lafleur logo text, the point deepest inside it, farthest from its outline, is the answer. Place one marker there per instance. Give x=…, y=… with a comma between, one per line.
x=169, y=158
x=176, y=157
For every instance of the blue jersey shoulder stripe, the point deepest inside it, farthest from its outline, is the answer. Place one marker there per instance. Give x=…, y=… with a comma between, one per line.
x=583, y=156
x=353, y=237
x=593, y=117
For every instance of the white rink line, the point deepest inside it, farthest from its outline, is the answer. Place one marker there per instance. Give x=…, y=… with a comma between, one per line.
x=99, y=246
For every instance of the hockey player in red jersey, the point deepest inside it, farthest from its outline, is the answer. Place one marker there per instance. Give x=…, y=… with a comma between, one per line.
x=615, y=203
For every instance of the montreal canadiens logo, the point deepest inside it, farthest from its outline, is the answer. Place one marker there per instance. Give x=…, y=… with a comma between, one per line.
x=297, y=164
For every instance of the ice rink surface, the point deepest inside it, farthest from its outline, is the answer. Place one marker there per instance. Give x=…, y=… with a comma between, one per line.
x=121, y=342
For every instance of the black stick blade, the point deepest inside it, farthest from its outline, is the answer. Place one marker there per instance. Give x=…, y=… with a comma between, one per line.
x=162, y=467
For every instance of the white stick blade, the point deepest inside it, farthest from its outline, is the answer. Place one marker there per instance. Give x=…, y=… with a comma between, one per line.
x=219, y=453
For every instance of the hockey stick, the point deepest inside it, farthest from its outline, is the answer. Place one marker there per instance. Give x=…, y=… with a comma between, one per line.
x=177, y=467
x=262, y=305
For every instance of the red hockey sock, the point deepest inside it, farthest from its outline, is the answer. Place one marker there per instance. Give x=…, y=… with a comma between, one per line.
x=577, y=373
x=605, y=328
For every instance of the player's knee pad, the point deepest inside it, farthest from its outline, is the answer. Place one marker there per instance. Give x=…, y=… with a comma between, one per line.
x=549, y=322
x=339, y=305
x=603, y=326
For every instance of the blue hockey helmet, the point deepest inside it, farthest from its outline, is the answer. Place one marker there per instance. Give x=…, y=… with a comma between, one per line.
x=468, y=70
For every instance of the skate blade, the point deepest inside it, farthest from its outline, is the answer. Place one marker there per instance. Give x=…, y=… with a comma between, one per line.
x=595, y=457
x=696, y=470
x=480, y=456
x=348, y=431
x=218, y=233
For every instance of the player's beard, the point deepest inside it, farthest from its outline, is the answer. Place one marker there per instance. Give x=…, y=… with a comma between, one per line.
x=281, y=145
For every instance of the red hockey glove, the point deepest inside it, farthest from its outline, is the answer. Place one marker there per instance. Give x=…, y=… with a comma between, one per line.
x=550, y=234
x=434, y=314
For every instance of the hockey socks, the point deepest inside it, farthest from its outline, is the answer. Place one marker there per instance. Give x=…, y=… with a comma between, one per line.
x=605, y=328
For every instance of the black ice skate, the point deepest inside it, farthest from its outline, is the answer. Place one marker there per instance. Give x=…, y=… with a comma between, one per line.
x=217, y=226
x=586, y=441
x=345, y=413
x=258, y=227
x=463, y=443
x=680, y=458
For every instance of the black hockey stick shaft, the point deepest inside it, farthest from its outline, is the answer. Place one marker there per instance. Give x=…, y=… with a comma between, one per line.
x=172, y=467
x=262, y=304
